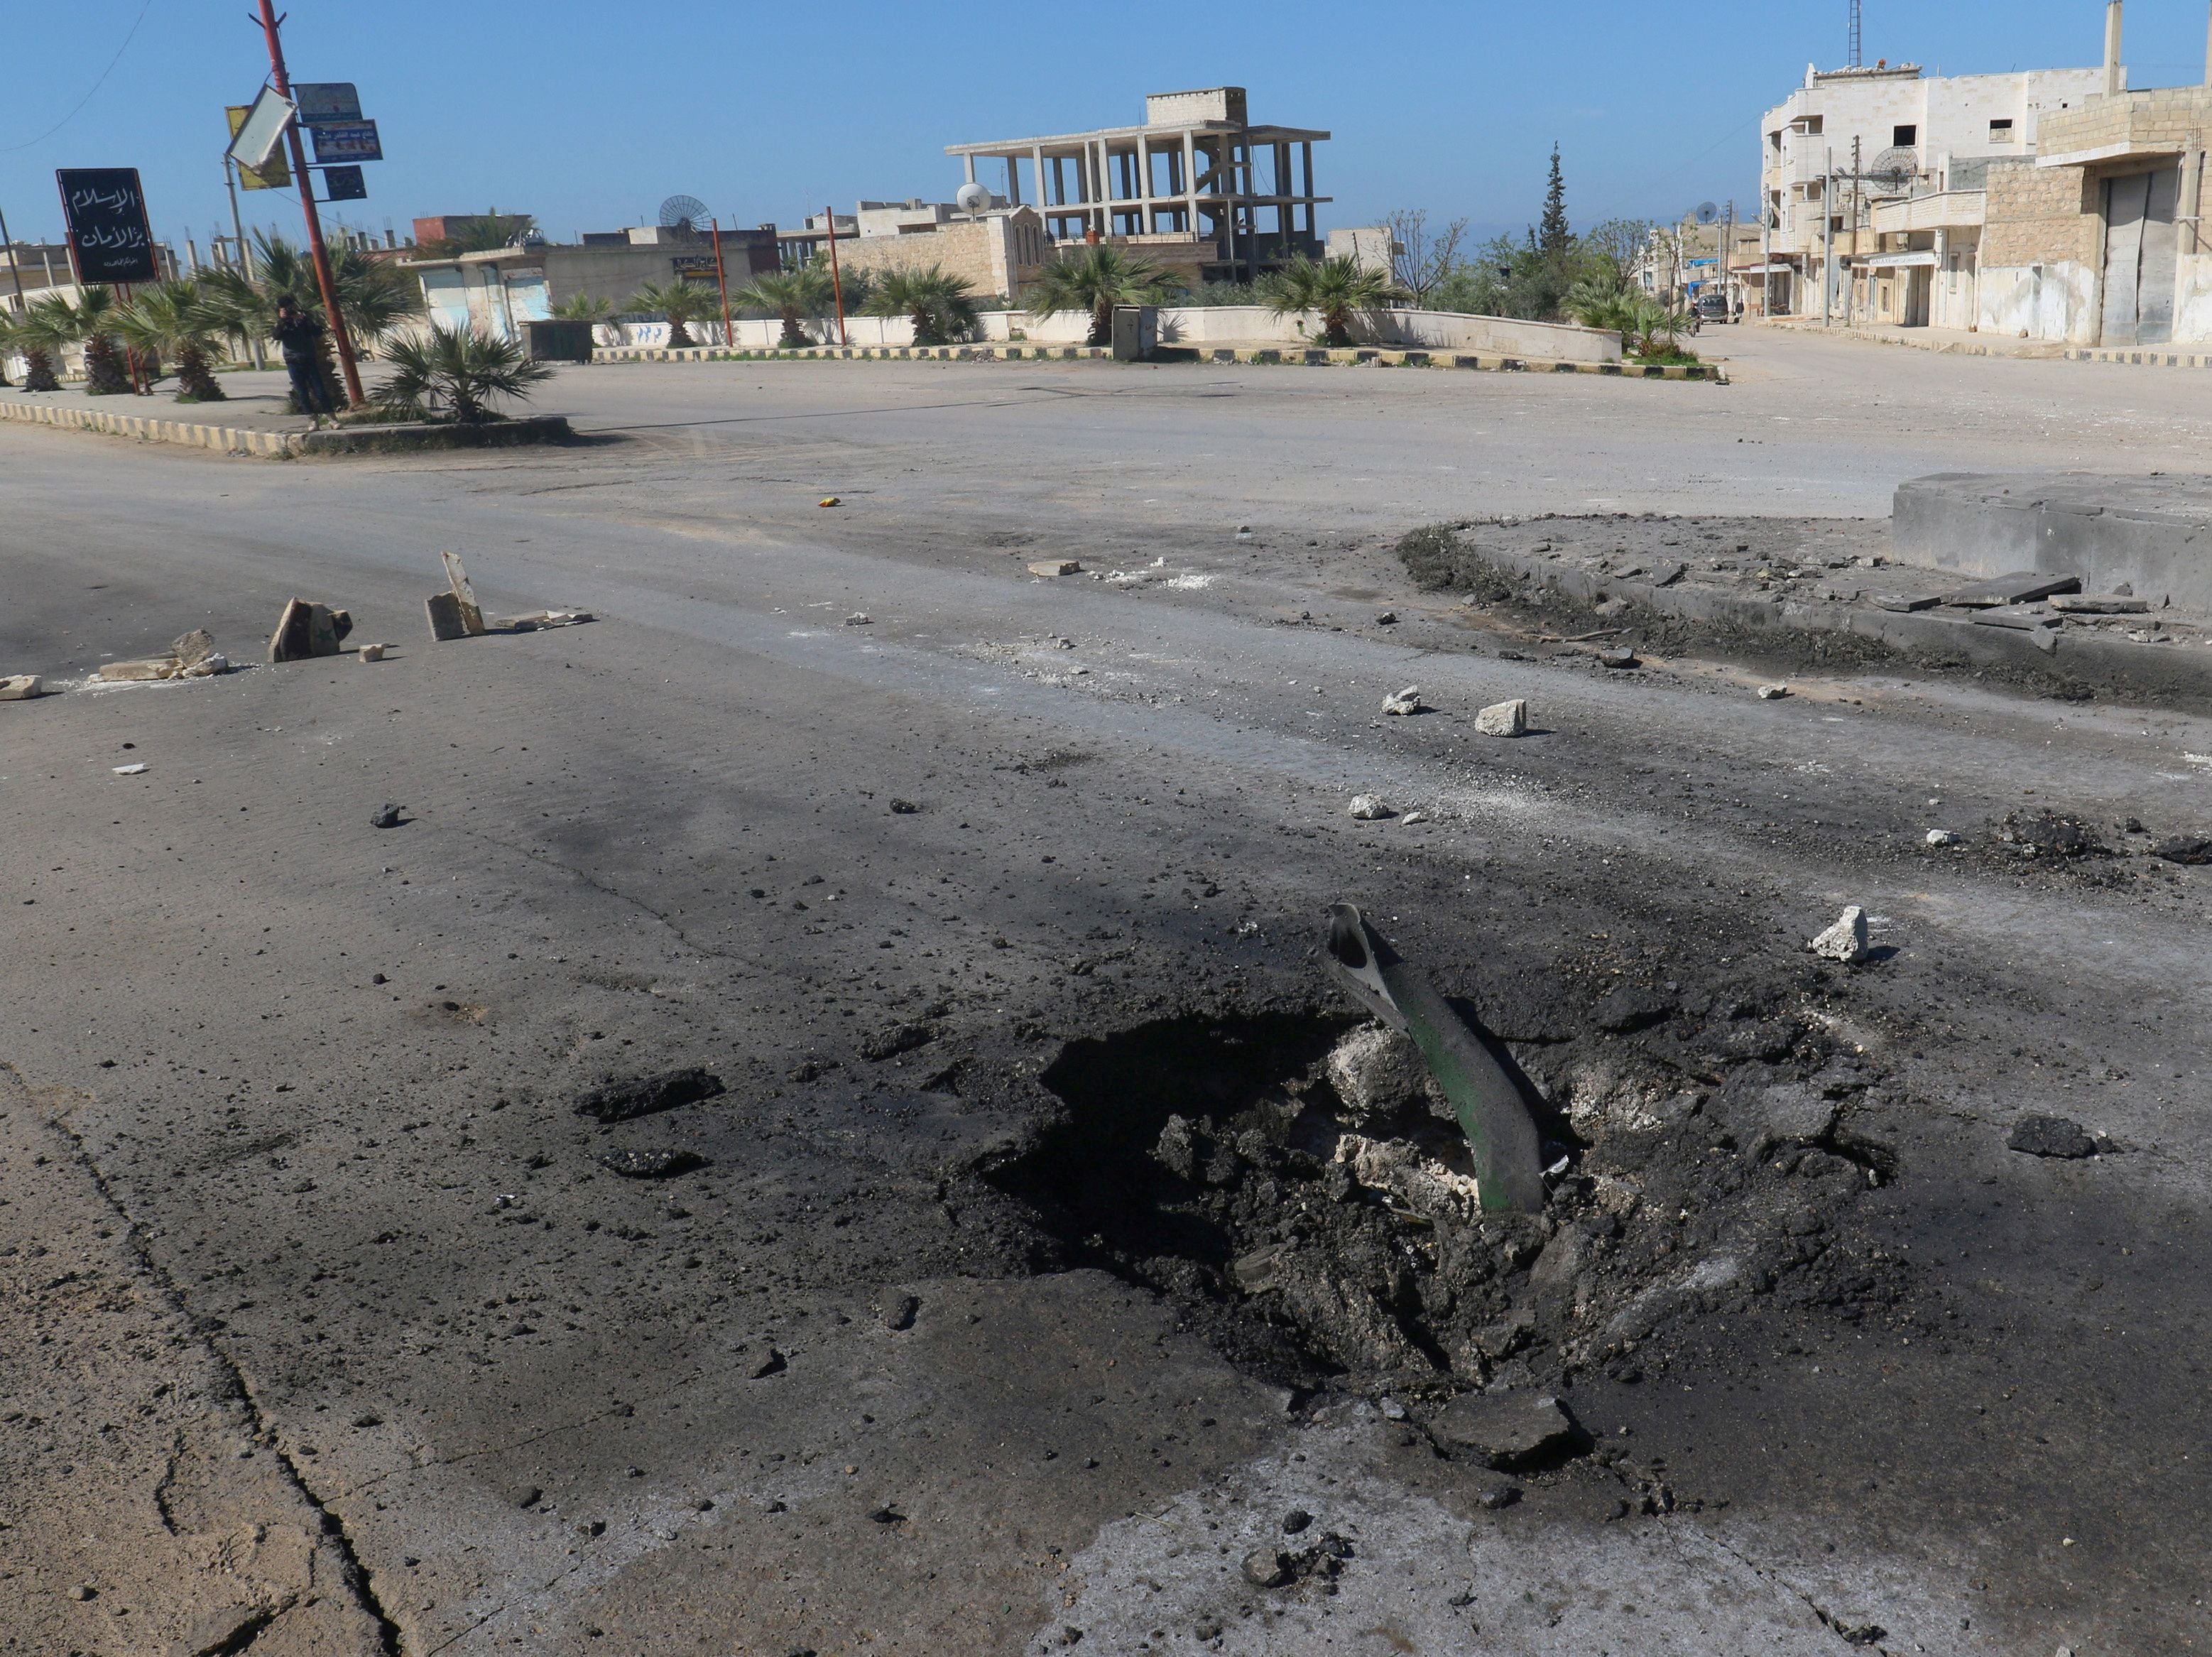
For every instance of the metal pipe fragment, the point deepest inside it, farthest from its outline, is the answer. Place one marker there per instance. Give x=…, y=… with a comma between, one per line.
x=1501, y=1134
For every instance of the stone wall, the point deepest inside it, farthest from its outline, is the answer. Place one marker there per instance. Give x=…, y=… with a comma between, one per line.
x=996, y=255
x=2163, y=121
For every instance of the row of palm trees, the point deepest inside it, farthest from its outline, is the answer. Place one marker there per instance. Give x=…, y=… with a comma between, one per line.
x=191, y=322
x=943, y=307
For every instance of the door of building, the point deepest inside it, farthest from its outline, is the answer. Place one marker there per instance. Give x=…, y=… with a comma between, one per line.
x=2142, y=249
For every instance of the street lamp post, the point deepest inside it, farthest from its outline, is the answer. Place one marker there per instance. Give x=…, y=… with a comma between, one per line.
x=347, y=366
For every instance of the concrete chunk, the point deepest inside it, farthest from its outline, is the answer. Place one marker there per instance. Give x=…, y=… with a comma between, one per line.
x=1504, y=1430
x=1846, y=941
x=446, y=621
x=2021, y=587
x=1054, y=567
x=1503, y=719
x=19, y=687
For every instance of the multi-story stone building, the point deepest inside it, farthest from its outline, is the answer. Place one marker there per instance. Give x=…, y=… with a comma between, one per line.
x=1849, y=140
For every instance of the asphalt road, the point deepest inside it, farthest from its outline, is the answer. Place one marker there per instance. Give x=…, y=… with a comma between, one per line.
x=331, y=1321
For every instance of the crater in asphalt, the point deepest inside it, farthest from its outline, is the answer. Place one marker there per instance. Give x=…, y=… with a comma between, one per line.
x=1291, y=1183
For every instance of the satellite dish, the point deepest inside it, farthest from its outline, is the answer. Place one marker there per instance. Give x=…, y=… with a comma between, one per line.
x=1706, y=212
x=1895, y=167
x=685, y=215
x=973, y=198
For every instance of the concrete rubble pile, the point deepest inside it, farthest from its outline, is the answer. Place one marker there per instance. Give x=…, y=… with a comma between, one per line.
x=191, y=656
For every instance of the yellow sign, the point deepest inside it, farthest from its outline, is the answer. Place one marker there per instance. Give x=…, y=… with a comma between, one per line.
x=278, y=175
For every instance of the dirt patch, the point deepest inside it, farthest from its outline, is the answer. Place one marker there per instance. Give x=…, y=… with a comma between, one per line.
x=1291, y=1182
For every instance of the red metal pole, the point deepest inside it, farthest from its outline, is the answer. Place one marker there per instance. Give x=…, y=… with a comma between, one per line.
x=836, y=284
x=722, y=280
x=347, y=366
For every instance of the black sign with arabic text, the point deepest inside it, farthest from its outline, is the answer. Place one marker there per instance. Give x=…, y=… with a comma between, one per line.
x=109, y=237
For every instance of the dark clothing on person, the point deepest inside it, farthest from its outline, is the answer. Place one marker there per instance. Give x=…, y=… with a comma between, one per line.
x=298, y=335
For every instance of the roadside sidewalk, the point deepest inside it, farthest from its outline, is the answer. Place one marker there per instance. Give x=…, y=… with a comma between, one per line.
x=1950, y=342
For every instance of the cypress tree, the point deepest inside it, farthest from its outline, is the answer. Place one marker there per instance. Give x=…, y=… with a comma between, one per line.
x=1552, y=235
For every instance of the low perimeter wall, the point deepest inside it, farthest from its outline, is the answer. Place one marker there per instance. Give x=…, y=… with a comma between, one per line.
x=2153, y=534
x=1190, y=325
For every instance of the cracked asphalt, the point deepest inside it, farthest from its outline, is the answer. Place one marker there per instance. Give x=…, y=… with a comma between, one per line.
x=328, y=1329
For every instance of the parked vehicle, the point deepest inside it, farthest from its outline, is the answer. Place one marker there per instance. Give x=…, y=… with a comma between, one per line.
x=1713, y=308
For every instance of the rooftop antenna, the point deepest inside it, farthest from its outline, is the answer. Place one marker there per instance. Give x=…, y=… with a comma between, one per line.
x=1858, y=38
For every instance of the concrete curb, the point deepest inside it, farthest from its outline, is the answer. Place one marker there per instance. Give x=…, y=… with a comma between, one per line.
x=1358, y=356
x=232, y=440
x=345, y=440
x=2164, y=670
x=2014, y=350
x=2148, y=359
x=409, y=440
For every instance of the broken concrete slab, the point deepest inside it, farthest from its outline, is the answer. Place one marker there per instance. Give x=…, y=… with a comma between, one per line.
x=1504, y=718
x=306, y=629
x=1406, y=702
x=19, y=687
x=538, y=620
x=1846, y=941
x=2017, y=586
x=1906, y=603
x=1056, y=567
x=2022, y=620
x=137, y=672
x=1506, y=1430
x=2097, y=604
x=457, y=580
x=447, y=622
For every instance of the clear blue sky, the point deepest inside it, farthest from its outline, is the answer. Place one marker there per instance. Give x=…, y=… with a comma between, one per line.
x=588, y=114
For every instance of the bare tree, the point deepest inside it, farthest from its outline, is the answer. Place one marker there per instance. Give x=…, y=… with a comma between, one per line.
x=1421, y=262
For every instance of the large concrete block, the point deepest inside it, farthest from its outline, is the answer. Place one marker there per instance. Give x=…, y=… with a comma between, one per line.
x=2153, y=534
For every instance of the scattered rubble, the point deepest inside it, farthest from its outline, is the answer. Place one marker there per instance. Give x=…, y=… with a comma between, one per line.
x=2189, y=849
x=1619, y=656
x=387, y=817
x=1846, y=941
x=2053, y=833
x=1772, y=693
x=1407, y=700
x=626, y=1098
x=1369, y=808
x=860, y=619
x=1503, y=719
x=135, y=768
x=1056, y=567
x=538, y=620
x=2053, y=1137
x=371, y=653
x=1942, y=837
x=651, y=1165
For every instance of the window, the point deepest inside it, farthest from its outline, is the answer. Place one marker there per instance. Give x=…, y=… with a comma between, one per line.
x=2001, y=132
x=1807, y=125
x=1905, y=137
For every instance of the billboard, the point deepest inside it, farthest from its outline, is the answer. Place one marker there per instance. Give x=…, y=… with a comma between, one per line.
x=263, y=129
x=322, y=103
x=275, y=174
x=109, y=238
x=345, y=184
x=346, y=142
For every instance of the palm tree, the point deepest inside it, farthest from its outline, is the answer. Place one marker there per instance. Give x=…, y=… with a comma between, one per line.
x=1597, y=302
x=8, y=345
x=236, y=308
x=1337, y=287
x=91, y=323
x=942, y=308
x=463, y=370
x=682, y=302
x=172, y=319
x=791, y=296
x=1096, y=280
x=42, y=329
x=586, y=307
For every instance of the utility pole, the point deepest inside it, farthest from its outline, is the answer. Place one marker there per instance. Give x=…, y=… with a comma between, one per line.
x=15, y=265
x=245, y=253
x=1850, y=290
x=331, y=314
x=1728, y=253
x=722, y=280
x=1828, y=242
x=836, y=283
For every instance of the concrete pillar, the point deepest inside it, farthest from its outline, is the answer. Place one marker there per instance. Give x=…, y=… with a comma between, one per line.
x=2112, y=48
x=1144, y=183
x=1190, y=182
x=971, y=159
x=1313, y=228
x=2192, y=194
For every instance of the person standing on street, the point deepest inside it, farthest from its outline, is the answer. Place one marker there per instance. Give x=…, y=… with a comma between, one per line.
x=300, y=337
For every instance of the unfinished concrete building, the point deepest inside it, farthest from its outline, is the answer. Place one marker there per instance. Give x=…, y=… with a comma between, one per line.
x=1197, y=189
